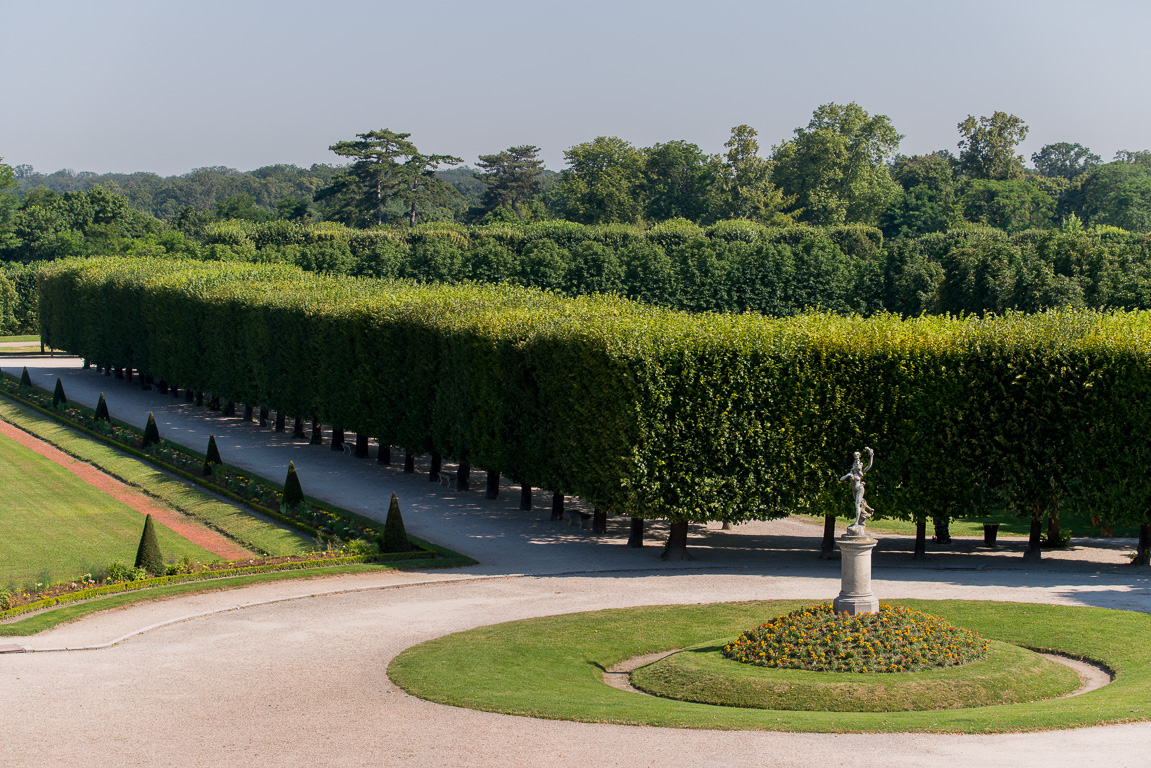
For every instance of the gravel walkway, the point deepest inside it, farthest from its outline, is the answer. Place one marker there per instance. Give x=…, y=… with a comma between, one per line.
x=300, y=680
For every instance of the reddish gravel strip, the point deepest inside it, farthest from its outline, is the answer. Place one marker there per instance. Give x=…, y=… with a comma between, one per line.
x=194, y=532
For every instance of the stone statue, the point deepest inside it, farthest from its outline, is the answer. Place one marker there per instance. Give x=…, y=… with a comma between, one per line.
x=862, y=510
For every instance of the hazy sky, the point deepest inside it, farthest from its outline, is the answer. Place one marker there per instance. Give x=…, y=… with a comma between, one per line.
x=124, y=85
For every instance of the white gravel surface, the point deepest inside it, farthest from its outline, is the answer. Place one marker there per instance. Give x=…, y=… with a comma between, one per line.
x=294, y=673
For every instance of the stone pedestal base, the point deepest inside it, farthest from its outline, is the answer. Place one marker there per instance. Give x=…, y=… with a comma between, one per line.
x=855, y=596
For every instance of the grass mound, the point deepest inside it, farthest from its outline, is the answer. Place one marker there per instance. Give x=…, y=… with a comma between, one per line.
x=1008, y=675
x=896, y=639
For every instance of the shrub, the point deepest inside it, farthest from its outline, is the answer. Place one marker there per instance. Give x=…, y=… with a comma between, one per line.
x=5, y=599
x=25, y=379
x=58, y=397
x=394, y=538
x=293, y=493
x=360, y=548
x=151, y=433
x=117, y=571
x=212, y=457
x=148, y=554
x=102, y=409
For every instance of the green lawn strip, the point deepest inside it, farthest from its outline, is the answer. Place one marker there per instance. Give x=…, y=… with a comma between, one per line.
x=49, y=619
x=234, y=522
x=55, y=527
x=21, y=351
x=1008, y=675
x=552, y=667
x=20, y=338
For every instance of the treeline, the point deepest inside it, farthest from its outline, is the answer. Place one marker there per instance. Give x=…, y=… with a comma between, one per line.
x=649, y=413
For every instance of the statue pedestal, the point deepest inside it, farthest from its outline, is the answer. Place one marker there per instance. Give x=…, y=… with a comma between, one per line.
x=855, y=596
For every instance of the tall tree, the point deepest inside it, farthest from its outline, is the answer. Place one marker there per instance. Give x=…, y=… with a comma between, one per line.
x=420, y=188
x=512, y=178
x=678, y=182
x=8, y=202
x=836, y=167
x=745, y=189
x=601, y=184
x=1064, y=160
x=987, y=147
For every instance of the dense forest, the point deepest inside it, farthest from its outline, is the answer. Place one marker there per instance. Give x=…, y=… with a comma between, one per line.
x=832, y=217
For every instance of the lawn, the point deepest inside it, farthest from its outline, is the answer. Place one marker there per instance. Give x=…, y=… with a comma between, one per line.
x=55, y=527
x=552, y=667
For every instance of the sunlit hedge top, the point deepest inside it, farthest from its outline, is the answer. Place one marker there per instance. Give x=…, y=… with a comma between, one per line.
x=646, y=411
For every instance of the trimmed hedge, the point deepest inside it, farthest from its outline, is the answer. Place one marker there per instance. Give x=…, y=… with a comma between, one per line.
x=647, y=412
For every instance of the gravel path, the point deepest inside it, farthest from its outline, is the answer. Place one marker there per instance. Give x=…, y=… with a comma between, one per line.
x=300, y=680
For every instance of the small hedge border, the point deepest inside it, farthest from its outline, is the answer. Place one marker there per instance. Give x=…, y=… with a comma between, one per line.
x=160, y=581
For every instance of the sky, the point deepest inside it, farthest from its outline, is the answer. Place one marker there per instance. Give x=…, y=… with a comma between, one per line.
x=129, y=85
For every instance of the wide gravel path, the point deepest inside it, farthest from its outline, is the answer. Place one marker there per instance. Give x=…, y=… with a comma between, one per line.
x=294, y=673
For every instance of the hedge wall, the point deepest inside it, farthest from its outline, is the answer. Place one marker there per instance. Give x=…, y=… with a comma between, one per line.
x=649, y=412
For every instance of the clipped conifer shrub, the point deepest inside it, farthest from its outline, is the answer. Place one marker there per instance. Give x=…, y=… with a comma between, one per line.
x=25, y=379
x=212, y=456
x=102, y=409
x=395, y=537
x=151, y=432
x=148, y=554
x=58, y=397
x=293, y=493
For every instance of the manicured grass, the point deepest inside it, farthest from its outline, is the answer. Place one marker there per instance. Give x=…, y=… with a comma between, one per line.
x=553, y=667
x=21, y=338
x=239, y=524
x=1079, y=525
x=56, y=616
x=21, y=351
x=1008, y=675
x=55, y=527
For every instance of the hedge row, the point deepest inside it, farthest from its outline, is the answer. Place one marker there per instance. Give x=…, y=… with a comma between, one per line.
x=648, y=412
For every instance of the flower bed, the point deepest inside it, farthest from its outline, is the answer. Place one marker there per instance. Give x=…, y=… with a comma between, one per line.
x=896, y=639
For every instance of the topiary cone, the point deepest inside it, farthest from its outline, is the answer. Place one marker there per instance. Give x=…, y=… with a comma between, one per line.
x=102, y=409
x=212, y=457
x=25, y=379
x=394, y=538
x=58, y=397
x=151, y=433
x=293, y=493
x=148, y=554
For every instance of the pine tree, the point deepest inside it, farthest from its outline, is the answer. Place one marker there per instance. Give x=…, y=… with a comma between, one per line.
x=25, y=379
x=293, y=493
x=102, y=409
x=151, y=433
x=394, y=538
x=212, y=458
x=148, y=554
x=58, y=397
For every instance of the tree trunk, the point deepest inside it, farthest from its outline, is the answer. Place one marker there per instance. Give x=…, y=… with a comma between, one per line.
x=264, y=417
x=827, y=546
x=525, y=497
x=337, y=438
x=189, y=396
x=248, y=412
x=128, y=375
x=598, y=522
x=361, y=446
x=230, y=409
x=384, y=454
x=175, y=392
x=920, y=539
x=1143, y=551
x=107, y=371
x=298, y=429
x=1034, y=544
x=557, y=506
x=990, y=535
x=214, y=403
x=317, y=433
x=1053, y=537
x=493, y=489
x=463, y=476
x=725, y=526
x=943, y=532
x=163, y=385
x=635, y=540
x=145, y=383
x=119, y=373
x=676, y=548
x=409, y=464
x=434, y=470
